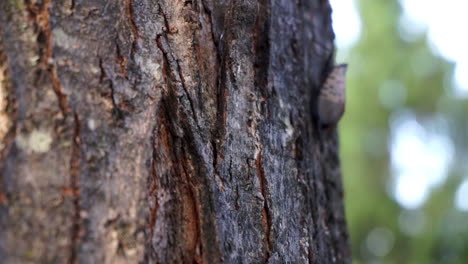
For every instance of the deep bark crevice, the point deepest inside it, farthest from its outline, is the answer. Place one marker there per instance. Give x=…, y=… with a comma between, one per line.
x=40, y=15
x=75, y=163
x=116, y=110
x=130, y=13
x=174, y=71
x=266, y=214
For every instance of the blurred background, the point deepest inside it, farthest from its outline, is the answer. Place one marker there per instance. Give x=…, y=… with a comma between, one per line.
x=404, y=135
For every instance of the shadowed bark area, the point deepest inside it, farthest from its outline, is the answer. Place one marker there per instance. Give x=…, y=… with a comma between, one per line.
x=167, y=132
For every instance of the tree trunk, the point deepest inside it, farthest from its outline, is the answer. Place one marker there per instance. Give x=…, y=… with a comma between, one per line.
x=170, y=131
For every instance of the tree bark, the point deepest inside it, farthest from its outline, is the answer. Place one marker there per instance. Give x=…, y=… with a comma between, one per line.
x=167, y=131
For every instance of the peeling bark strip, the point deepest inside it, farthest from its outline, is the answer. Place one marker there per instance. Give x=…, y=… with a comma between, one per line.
x=7, y=115
x=161, y=131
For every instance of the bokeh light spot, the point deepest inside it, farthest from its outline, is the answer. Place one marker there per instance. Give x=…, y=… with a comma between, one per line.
x=420, y=160
x=444, y=24
x=412, y=222
x=461, y=197
x=346, y=22
x=392, y=94
x=380, y=241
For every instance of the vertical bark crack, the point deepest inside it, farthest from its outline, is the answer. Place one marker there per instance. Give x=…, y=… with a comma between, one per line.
x=175, y=73
x=41, y=16
x=261, y=43
x=135, y=31
x=266, y=214
x=104, y=77
x=75, y=162
x=261, y=47
x=169, y=150
x=121, y=61
x=153, y=188
x=182, y=80
x=193, y=235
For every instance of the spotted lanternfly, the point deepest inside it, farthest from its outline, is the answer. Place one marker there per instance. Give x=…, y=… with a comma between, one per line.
x=332, y=97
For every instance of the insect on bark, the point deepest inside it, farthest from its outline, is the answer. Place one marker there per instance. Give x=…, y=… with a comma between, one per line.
x=332, y=97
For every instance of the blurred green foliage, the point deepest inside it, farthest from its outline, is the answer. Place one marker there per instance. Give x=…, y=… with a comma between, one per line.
x=388, y=75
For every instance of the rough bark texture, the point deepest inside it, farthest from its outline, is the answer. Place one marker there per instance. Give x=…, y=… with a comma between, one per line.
x=167, y=131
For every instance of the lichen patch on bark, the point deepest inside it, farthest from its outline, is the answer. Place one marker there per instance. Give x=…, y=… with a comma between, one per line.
x=38, y=141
